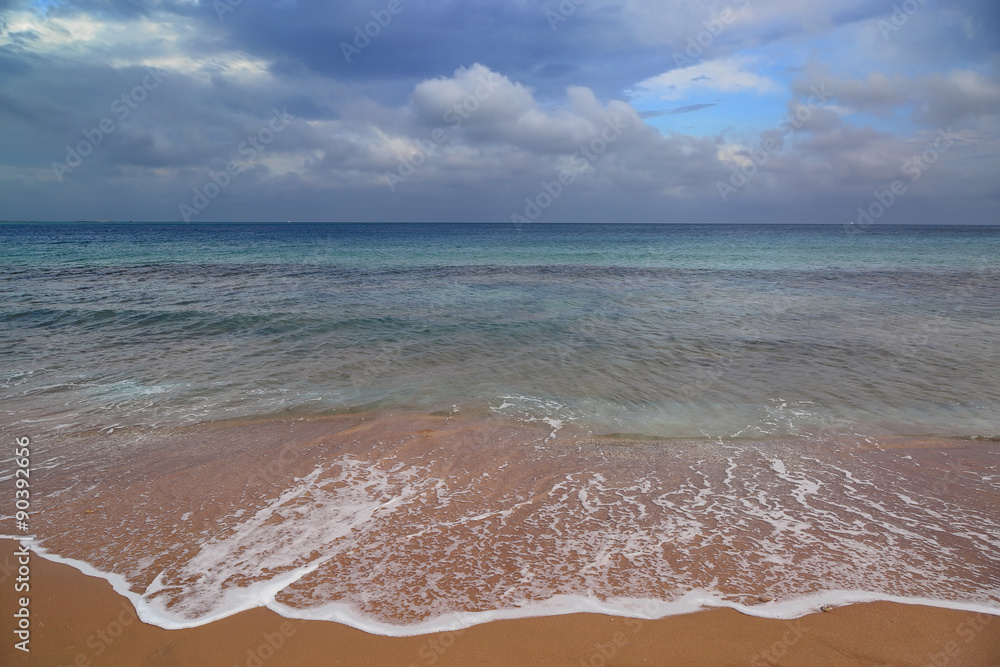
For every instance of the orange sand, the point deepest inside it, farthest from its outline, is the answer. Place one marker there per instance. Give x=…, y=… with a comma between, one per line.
x=80, y=620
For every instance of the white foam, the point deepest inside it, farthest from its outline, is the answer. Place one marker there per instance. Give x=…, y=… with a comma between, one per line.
x=556, y=605
x=530, y=409
x=552, y=542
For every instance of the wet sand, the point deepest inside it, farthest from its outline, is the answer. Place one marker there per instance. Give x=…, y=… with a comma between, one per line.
x=410, y=516
x=80, y=620
x=405, y=518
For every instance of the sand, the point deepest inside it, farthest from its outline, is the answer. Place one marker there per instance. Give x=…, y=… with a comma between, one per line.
x=409, y=516
x=76, y=619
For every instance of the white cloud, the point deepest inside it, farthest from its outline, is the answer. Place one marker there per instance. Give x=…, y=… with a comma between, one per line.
x=53, y=34
x=721, y=24
x=488, y=107
x=163, y=42
x=728, y=75
x=491, y=94
x=938, y=98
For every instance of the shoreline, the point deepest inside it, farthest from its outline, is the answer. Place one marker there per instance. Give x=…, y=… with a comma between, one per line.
x=355, y=520
x=79, y=619
x=559, y=605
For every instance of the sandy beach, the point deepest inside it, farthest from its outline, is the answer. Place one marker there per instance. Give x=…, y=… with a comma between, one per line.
x=76, y=619
x=80, y=620
x=447, y=445
x=402, y=519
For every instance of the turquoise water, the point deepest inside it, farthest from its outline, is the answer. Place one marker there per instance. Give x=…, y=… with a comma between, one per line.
x=779, y=356
x=663, y=330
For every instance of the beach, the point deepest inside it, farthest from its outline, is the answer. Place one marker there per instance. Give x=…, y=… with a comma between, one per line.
x=80, y=620
x=480, y=557
x=598, y=334
x=473, y=444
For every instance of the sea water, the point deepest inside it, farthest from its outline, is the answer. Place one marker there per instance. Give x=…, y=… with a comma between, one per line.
x=642, y=412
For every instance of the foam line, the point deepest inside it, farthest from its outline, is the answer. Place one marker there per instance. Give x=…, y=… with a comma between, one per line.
x=263, y=595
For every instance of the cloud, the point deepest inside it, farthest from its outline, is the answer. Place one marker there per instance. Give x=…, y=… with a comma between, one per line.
x=728, y=75
x=691, y=107
x=677, y=110
x=515, y=101
x=939, y=98
x=679, y=23
x=490, y=120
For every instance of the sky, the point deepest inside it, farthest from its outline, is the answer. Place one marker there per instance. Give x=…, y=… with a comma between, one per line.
x=822, y=111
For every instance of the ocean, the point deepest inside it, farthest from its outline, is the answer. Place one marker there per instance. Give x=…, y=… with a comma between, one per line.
x=407, y=427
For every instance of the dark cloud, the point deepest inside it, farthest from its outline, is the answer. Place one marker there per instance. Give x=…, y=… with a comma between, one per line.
x=551, y=94
x=6, y=5
x=677, y=110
